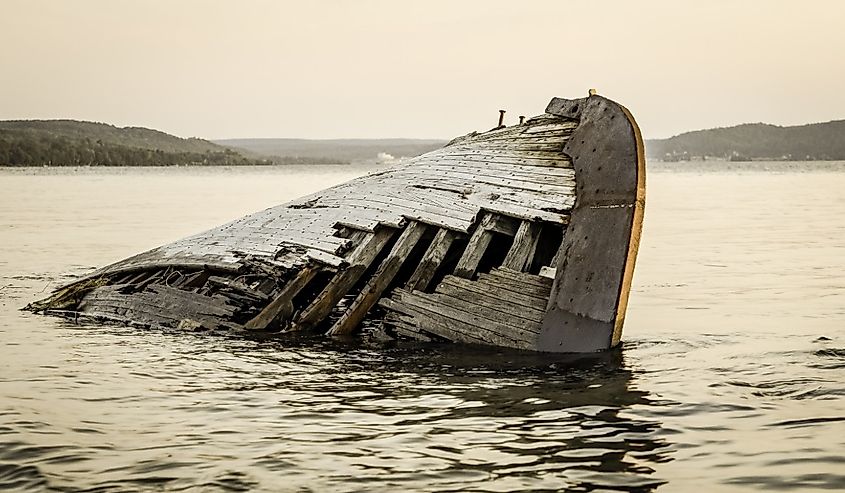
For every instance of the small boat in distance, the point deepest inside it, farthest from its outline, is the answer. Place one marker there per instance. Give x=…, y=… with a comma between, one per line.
x=524, y=236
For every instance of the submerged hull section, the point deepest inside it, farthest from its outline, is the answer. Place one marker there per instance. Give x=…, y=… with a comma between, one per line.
x=523, y=236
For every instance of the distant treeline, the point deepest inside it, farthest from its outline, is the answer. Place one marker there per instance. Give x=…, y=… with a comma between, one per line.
x=332, y=150
x=80, y=143
x=817, y=141
x=73, y=143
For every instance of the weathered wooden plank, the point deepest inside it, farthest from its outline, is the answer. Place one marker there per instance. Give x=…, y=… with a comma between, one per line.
x=481, y=191
x=523, y=277
x=512, y=285
x=462, y=322
x=516, y=210
x=486, y=153
x=502, y=323
x=282, y=307
x=150, y=298
x=502, y=224
x=398, y=211
x=528, y=145
x=405, y=325
x=431, y=260
x=488, y=300
x=527, y=133
x=505, y=275
x=495, y=290
x=325, y=258
x=237, y=286
x=152, y=306
x=528, y=130
x=535, y=174
x=433, y=323
x=387, y=200
x=551, y=160
x=381, y=279
x=359, y=260
x=521, y=253
x=472, y=179
x=477, y=245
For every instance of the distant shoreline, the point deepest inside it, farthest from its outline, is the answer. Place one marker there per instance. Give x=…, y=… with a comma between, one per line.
x=652, y=165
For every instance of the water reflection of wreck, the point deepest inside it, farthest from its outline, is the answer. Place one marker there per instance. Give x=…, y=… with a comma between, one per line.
x=523, y=420
x=523, y=236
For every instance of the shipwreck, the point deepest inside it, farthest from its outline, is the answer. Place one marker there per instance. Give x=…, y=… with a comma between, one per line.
x=524, y=236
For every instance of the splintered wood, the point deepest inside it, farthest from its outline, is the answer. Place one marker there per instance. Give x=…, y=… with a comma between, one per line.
x=446, y=244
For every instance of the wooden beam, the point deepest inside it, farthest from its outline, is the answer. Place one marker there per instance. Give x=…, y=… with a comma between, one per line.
x=503, y=224
x=524, y=246
x=477, y=245
x=359, y=260
x=282, y=306
x=380, y=281
x=431, y=260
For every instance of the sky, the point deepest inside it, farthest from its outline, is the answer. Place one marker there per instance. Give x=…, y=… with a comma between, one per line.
x=416, y=69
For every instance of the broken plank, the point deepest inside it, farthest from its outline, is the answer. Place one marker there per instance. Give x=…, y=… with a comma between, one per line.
x=237, y=286
x=431, y=260
x=359, y=260
x=374, y=288
x=521, y=253
x=282, y=306
x=477, y=245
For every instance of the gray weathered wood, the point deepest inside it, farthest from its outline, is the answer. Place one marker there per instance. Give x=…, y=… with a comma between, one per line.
x=489, y=301
x=521, y=253
x=431, y=260
x=460, y=322
x=496, y=289
x=359, y=260
x=477, y=245
x=373, y=290
x=282, y=307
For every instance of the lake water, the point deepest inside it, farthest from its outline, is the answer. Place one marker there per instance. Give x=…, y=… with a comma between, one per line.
x=732, y=374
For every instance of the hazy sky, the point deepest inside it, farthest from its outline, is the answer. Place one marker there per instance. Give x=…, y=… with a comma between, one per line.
x=331, y=69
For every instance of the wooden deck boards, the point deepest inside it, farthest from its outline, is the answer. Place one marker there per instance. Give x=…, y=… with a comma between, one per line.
x=518, y=170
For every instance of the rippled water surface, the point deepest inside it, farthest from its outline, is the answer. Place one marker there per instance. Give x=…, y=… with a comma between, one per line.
x=732, y=375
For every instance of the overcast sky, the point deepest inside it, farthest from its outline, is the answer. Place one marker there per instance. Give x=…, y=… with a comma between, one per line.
x=427, y=69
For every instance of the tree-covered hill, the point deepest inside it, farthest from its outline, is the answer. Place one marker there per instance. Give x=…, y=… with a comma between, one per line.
x=78, y=143
x=817, y=141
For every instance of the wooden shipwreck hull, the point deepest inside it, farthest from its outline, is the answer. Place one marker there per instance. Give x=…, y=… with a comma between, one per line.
x=523, y=236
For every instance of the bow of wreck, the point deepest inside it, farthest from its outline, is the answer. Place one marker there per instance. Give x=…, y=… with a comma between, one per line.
x=523, y=236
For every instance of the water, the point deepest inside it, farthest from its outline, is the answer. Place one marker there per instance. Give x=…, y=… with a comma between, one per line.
x=732, y=375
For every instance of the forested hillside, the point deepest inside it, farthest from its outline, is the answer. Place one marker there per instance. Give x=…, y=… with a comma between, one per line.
x=817, y=141
x=77, y=143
